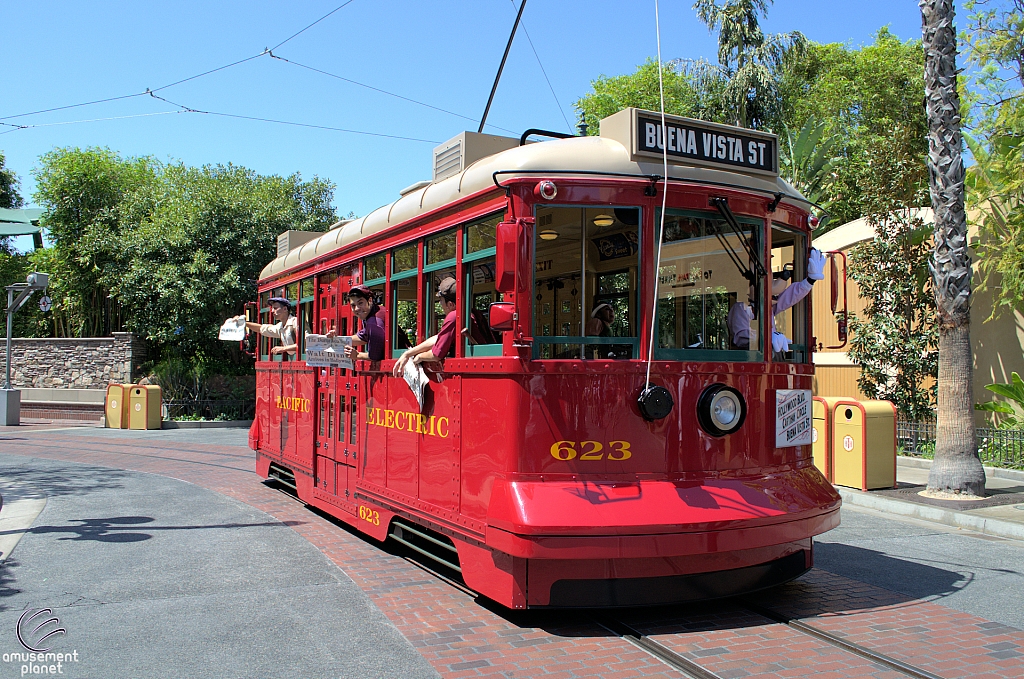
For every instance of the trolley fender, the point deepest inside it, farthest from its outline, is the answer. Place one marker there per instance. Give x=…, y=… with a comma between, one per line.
x=254, y=434
x=579, y=507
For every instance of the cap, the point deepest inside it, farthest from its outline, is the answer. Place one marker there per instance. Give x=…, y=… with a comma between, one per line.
x=282, y=300
x=361, y=291
x=446, y=287
x=597, y=309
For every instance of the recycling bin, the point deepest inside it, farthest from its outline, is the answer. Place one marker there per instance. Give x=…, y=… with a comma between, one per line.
x=864, y=444
x=115, y=409
x=822, y=410
x=144, y=407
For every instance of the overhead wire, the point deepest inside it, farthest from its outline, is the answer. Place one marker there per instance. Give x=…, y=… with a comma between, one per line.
x=542, y=70
x=377, y=89
x=189, y=109
x=183, y=80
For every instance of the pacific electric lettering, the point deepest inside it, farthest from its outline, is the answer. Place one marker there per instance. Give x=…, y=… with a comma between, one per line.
x=408, y=421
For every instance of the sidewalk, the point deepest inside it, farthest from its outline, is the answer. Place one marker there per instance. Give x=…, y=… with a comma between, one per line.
x=1000, y=515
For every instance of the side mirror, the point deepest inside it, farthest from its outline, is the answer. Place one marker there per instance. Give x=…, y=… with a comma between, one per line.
x=506, y=244
x=502, y=315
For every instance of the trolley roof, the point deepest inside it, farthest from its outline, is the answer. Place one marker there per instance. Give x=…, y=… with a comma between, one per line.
x=613, y=152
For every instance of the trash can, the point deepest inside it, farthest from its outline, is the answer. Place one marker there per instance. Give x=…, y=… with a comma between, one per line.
x=115, y=409
x=144, y=407
x=864, y=444
x=822, y=410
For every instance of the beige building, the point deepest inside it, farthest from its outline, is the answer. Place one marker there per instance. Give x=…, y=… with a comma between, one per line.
x=998, y=344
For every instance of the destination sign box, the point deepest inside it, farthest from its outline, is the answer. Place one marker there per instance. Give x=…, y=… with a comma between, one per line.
x=696, y=142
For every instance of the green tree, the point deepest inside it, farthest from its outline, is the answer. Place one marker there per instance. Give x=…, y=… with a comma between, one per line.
x=870, y=101
x=957, y=468
x=198, y=240
x=81, y=191
x=894, y=341
x=9, y=198
x=749, y=62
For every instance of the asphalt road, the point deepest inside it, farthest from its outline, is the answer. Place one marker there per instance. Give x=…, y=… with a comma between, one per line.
x=970, y=572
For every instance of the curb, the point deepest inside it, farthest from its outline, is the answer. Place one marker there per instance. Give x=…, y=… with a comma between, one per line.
x=948, y=517
x=993, y=472
x=198, y=424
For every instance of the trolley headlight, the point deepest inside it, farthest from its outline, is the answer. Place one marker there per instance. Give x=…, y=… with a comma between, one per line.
x=720, y=410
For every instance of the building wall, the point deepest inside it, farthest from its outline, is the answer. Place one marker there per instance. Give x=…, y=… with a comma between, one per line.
x=998, y=345
x=74, y=362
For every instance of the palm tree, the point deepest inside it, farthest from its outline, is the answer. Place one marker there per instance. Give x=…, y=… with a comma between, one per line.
x=957, y=468
x=748, y=60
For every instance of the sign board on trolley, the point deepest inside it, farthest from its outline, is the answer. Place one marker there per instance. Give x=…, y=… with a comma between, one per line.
x=327, y=352
x=793, y=417
x=693, y=142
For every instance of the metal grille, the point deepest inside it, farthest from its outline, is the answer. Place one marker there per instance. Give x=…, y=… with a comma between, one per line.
x=996, y=447
x=210, y=410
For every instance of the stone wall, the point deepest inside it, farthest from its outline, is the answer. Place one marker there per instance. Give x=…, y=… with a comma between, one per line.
x=73, y=362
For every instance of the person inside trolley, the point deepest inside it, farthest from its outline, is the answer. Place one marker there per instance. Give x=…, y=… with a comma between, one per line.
x=285, y=329
x=435, y=348
x=373, y=332
x=784, y=296
x=601, y=319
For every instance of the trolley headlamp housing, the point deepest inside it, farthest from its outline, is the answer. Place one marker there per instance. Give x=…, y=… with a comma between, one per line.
x=721, y=410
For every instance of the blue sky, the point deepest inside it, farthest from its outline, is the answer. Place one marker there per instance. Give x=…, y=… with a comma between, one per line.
x=441, y=52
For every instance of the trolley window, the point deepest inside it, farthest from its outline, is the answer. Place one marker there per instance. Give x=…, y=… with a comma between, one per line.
x=304, y=309
x=586, y=261
x=708, y=307
x=438, y=264
x=790, y=295
x=404, y=299
x=478, y=263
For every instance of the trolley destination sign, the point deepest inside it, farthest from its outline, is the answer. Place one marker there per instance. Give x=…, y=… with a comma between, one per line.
x=696, y=142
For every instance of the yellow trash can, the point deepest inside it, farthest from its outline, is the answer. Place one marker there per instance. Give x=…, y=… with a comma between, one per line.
x=864, y=444
x=144, y=407
x=115, y=409
x=822, y=410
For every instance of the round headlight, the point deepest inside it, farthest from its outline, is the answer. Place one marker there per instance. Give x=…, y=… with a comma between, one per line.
x=720, y=410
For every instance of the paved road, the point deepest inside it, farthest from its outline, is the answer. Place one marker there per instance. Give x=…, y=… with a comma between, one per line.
x=256, y=585
x=970, y=572
x=155, y=577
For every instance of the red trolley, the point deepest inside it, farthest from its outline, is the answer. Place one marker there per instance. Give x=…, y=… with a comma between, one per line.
x=545, y=464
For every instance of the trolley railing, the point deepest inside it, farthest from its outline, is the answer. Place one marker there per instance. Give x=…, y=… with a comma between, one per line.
x=210, y=410
x=996, y=447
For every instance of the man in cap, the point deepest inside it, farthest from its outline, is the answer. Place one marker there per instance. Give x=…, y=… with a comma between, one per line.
x=373, y=332
x=601, y=319
x=285, y=329
x=435, y=348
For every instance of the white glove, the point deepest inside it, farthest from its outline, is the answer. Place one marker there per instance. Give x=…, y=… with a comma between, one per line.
x=816, y=265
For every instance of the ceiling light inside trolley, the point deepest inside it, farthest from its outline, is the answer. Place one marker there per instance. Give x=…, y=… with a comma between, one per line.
x=720, y=410
x=548, y=234
x=604, y=220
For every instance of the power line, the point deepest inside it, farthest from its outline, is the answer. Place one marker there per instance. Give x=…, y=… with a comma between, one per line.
x=550, y=87
x=341, y=6
x=377, y=89
x=90, y=120
x=189, y=109
x=177, y=82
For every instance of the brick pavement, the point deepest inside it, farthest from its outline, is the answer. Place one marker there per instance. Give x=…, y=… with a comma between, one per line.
x=462, y=636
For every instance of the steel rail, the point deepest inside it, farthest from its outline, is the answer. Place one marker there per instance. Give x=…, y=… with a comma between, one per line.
x=848, y=646
x=660, y=651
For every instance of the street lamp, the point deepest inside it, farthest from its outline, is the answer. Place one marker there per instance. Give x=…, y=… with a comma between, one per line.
x=10, y=398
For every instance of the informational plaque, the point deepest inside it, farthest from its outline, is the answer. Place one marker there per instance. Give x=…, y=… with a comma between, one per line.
x=793, y=417
x=327, y=352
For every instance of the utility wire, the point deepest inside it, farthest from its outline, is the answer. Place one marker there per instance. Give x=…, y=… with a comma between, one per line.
x=178, y=82
x=550, y=87
x=377, y=89
x=90, y=120
x=189, y=109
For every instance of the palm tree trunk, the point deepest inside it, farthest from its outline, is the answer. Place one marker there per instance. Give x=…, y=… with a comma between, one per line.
x=956, y=468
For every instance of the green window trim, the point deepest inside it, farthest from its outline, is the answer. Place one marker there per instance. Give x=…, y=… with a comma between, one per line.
x=478, y=350
x=375, y=281
x=411, y=273
x=709, y=355
x=480, y=254
x=427, y=268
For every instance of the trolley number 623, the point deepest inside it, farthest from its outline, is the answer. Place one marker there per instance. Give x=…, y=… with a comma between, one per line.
x=367, y=514
x=590, y=450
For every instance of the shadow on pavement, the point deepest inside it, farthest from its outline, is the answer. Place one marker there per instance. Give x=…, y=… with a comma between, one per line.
x=913, y=579
x=121, y=528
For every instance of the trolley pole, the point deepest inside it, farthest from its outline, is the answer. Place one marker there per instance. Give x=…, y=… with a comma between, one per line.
x=494, y=88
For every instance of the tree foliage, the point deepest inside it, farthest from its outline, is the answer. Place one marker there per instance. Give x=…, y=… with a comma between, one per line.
x=746, y=77
x=994, y=44
x=895, y=340
x=163, y=250
x=9, y=198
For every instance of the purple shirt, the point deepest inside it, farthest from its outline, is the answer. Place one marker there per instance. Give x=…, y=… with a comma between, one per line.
x=445, y=337
x=373, y=332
